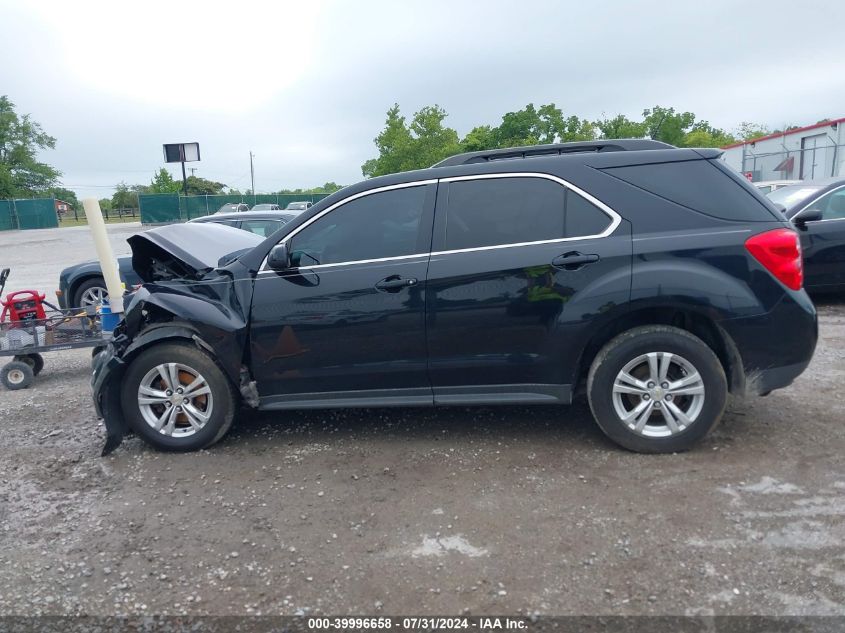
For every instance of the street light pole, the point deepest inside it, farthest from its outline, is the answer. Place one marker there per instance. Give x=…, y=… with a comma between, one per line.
x=252, y=175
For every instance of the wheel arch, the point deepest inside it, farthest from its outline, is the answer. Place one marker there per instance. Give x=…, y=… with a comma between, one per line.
x=74, y=284
x=701, y=325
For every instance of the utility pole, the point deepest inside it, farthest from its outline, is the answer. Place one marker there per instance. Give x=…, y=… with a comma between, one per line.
x=193, y=169
x=252, y=175
x=184, y=178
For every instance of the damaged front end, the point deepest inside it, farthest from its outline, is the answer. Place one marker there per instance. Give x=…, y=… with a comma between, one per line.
x=187, y=297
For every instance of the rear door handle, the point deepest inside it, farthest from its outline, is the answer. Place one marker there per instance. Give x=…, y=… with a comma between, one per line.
x=573, y=261
x=395, y=283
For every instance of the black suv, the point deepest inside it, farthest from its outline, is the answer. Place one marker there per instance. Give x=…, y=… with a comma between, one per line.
x=655, y=277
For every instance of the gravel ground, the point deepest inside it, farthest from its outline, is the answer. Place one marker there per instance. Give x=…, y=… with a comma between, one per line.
x=488, y=510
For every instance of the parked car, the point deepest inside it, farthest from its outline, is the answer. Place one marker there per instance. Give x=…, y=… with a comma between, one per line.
x=299, y=206
x=817, y=208
x=233, y=207
x=655, y=278
x=83, y=285
x=266, y=207
x=768, y=186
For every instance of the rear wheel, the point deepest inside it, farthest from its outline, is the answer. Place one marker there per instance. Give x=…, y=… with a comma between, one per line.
x=35, y=361
x=177, y=398
x=657, y=389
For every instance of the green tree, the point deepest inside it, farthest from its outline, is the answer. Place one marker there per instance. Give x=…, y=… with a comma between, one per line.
x=703, y=134
x=748, y=130
x=546, y=124
x=201, y=186
x=21, y=174
x=60, y=193
x=163, y=182
x=620, y=126
x=480, y=138
x=125, y=197
x=417, y=145
x=329, y=187
x=664, y=124
x=105, y=204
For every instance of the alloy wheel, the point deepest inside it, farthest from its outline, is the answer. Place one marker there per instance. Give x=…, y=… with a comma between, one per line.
x=175, y=399
x=658, y=394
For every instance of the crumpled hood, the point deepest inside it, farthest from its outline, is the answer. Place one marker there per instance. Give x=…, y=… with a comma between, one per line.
x=185, y=251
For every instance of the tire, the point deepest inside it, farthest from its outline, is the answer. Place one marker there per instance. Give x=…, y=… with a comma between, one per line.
x=177, y=432
x=86, y=289
x=16, y=374
x=35, y=361
x=694, y=405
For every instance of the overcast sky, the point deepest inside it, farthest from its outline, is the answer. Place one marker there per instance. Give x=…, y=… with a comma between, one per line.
x=305, y=86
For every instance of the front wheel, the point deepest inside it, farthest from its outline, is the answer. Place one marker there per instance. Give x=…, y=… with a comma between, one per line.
x=657, y=389
x=177, y=398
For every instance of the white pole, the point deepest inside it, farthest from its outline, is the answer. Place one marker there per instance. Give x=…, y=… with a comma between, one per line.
x=104, y=252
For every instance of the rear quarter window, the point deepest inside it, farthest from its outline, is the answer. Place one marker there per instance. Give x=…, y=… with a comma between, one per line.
x=697, y=185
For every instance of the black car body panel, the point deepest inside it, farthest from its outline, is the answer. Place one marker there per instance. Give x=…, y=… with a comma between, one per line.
x=497, y=323
x=73, y=277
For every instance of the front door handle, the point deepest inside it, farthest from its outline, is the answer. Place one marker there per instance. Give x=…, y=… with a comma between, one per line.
x=574, y=260
x=395, y=283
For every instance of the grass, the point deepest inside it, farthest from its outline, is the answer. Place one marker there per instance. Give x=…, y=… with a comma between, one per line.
x=71, y=221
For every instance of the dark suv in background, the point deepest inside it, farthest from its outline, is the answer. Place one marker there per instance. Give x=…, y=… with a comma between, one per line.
x=654, y=277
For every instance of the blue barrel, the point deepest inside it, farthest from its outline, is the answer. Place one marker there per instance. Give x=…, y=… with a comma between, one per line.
x=107, y=319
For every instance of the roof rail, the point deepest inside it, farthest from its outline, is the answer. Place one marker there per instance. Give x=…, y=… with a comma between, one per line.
x=553, y=149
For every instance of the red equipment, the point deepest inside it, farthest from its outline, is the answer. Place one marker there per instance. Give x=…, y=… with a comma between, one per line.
x=24, y=305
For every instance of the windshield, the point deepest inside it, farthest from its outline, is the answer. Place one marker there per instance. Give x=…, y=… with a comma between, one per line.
x=792, y=195
x=297, y=206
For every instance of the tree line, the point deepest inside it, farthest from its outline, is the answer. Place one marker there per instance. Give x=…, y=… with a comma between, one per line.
x=402, y=145
x=425, y=139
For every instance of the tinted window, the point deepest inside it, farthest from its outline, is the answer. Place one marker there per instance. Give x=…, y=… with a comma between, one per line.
x=232, y=223
x=583, y=218
x=698, y=185
x=832, y=205
x=503, y=211
x=382, y=224
x=261, y=227
x=495, y=211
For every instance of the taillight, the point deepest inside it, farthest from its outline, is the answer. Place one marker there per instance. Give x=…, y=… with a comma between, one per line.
x=780, y=253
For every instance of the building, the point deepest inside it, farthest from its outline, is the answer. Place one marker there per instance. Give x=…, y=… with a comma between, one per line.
x=805, y=153
x=62, y=207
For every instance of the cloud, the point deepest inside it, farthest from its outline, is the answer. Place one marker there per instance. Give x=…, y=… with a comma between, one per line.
x=306, y=85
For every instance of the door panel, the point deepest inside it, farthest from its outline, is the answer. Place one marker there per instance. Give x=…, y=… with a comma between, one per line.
x=499, y=316
x=823, y=245
x=331, y=330
x=347, y=320
x=502, y=316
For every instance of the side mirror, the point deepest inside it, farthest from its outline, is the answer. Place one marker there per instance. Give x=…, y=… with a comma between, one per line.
x=279, y=257
x=807, y=215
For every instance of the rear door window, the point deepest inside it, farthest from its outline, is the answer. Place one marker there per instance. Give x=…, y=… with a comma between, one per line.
x=513, y=210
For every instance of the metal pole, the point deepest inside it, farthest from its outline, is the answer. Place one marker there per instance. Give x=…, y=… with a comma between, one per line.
x=184, y=179
x=252, y=175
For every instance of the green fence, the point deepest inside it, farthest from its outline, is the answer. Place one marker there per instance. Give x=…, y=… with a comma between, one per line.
x=38, y=213
x=163, y=208
x=7, y=216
